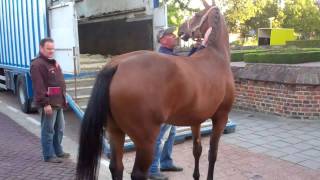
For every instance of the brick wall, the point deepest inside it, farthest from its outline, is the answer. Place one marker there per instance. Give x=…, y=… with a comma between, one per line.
x=295, y=101
x=270, y=93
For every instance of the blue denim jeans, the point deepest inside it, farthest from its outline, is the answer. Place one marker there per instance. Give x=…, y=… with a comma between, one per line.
x=106, y=147
x=163, y=149
x=52, y=127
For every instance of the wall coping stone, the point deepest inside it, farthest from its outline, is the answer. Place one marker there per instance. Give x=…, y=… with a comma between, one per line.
x=278, y=73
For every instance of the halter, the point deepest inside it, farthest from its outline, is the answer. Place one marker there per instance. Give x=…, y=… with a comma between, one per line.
x=204, y=17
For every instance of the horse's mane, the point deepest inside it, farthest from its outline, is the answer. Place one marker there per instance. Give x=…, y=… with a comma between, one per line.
x=216, y=28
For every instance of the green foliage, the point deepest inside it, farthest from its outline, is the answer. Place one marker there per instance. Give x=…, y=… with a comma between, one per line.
x=238, y=13
x=238, y=55
x=288, y=56
x=303, y=16
x=178, y=11
x=304, y=43
x=244, y=16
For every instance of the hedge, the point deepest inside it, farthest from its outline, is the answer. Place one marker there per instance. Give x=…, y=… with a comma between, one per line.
x=237, y=56
x=283, y=58
x=304, y=43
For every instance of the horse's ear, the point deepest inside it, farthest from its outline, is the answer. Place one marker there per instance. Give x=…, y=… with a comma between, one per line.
x=205, y=4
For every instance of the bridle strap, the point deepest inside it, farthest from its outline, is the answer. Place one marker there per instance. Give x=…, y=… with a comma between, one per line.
x=204, y=17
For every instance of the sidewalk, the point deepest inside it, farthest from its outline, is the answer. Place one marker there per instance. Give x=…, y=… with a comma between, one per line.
x=21, y=158
x=309, y=64
x=264, y=147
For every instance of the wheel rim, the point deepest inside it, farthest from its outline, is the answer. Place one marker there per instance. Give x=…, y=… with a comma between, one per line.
x=22, y=96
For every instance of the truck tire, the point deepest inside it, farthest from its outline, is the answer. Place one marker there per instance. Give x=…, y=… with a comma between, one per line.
x=25, y=103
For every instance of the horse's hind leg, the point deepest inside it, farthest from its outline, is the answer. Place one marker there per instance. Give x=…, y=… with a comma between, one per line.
x=219, y=121
x=197, y=150
x=117, y=138
x=142, y=162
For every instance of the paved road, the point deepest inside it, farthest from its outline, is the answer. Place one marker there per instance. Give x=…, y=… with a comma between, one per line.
x=264, y=147
x=20, y=156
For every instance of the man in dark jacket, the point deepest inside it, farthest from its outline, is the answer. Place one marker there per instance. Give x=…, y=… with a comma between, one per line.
x=49, y=95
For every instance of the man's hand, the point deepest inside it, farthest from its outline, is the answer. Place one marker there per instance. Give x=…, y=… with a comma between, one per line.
x=48, y=110
x=197, y=44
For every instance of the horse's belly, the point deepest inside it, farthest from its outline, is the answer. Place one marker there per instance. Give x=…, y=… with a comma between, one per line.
x=185, y=120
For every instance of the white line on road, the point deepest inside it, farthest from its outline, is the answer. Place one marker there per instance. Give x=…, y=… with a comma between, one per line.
x=0, y=101
x=34, y=121
x=105, y=162
x=13, y=109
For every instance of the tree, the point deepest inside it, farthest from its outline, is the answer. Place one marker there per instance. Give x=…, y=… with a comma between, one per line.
x=303, y=16
x=179, y=11
x=264, y=9
x=238, y=13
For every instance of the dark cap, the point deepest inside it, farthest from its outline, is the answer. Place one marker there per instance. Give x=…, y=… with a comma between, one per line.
x=165, y=31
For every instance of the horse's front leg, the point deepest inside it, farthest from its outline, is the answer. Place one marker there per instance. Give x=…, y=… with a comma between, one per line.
x=197, y=150
x=219, y=121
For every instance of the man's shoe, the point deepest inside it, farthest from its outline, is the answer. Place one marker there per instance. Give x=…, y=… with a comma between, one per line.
x=158, y=176
x=53, y=160
x=172, y=168
x=64, y=155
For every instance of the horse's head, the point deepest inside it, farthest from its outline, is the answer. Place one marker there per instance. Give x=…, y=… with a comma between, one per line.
x=197, y=26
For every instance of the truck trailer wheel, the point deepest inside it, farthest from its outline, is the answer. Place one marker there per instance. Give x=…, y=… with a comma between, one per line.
x=25, y=103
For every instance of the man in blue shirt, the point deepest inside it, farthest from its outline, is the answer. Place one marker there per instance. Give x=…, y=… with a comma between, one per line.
x=165, y=140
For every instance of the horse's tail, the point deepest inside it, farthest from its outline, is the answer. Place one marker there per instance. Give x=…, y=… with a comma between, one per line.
x=95, y=117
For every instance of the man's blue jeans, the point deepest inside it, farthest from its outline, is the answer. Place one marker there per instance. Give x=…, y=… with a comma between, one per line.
x=52, y=127
x=163, y=149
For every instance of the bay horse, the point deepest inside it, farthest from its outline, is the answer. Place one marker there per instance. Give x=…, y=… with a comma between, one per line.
x=139, y=91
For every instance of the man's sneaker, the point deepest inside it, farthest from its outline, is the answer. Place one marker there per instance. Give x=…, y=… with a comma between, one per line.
x=172, y=168
x=64, y=155
x=53, y=160
x=158, y=176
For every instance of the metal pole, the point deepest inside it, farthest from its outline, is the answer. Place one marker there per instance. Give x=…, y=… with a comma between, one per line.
x=75, y=74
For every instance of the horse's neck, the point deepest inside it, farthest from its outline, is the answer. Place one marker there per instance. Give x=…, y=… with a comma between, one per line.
x=219, y=38
x=221, y=45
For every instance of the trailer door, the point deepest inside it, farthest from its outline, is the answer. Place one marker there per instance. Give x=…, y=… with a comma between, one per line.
x=159, y=21
x=64, y=31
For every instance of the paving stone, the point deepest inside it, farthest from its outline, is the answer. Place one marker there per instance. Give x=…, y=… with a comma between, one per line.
x=258, y=141
x=314, y=153
x=314, y=142
x=316, y=133
x=293, y=158
x=283, y=135
x=245, y=132
x=264, y=133
x=246, y=144
x=280, y=144
x=303, y=146
x=259, y=149
x=292, y=140
x=276, y=153
x=23, y=159
x=306, y=137
x=289, y=150
x=296, y=132
x=251, y=136
x=311, y=164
